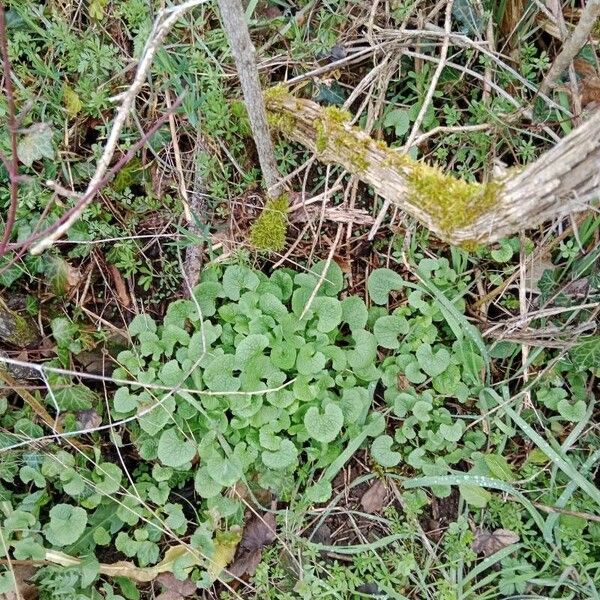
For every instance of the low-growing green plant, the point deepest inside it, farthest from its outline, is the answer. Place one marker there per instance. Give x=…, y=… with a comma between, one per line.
x=264, y=382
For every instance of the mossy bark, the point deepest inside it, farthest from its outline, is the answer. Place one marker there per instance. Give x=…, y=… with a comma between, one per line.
x=15, y=329
x=562, y=181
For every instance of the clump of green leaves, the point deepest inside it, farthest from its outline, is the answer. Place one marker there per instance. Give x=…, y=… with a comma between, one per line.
x=268, y=231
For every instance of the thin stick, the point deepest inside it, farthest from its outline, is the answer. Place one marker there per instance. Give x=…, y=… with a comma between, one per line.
x=11, y=165
x=572, y=45
x=162, y=26
x=314, y=293
x=244, y=54
x=178, y=163
x=434, y=80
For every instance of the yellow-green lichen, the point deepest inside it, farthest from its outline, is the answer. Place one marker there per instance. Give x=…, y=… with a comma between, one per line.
x=333, y=135
x=276, y=93
x=279, y=119
x=269, y=230
x=451, y=202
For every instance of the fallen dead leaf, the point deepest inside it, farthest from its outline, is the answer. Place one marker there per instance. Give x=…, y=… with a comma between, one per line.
x=124, y=568
x=24, y=590
x=89, y=419
x=120, y=287
x=534, y=271
x=373, y=499
x=258, y=532
x=590, y=90
x=489, y=542
x=174, y=589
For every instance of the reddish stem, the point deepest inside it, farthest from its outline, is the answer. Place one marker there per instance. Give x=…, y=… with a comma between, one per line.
x=12, y=165
x=87, y=198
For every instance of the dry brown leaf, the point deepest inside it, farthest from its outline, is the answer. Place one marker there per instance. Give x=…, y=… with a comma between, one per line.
x=534, y=271
x=89, y=419
x=258, y=532
x=584, y=69
x=373, y=499
x=590, y=90
x=24, y=589
x=489, y=542
x=124, y=568
x=120, y=287
x=174, y=588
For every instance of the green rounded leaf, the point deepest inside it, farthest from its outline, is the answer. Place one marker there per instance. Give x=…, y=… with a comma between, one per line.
x=381, y=282
x=140, y=324
x=382, y=453
x=433, y=363
x=238, y=278
x=413, y=373
x=173, y=451
x=354, y=312
x=318, y=492
x=387, y=329
x=324, y=426
x=67, y=524
x=364, y=353
x=452, y=433
x=218, y=376
x=285, y=457
x=328, y=311
x=205, y=485
x=572, y=412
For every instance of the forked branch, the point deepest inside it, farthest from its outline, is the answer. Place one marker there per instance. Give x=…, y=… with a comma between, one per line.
x=564, y=180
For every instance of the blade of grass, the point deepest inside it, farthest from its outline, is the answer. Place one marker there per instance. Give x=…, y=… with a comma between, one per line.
x=476, y=480
x=566, y=467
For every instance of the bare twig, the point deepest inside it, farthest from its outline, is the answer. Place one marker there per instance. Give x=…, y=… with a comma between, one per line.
x=178, y=163
x=166, y=19
x=434, y=80
x=572, y=45
x=244, y=54
x=49, y=236
x=12, y=164
x=563, y=180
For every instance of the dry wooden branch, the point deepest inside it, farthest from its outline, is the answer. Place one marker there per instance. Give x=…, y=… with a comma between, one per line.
x=564, y=180
x=164, y=21
x=244, y=54
x=573, y=44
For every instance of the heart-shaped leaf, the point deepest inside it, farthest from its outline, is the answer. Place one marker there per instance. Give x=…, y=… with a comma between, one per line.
x=433, y=363
x=318, y=492
x=381, y=450
x=572, y=412
x=324, y=426
x=329, y=312
x=354, y=312
x=452, y=433
x=381, y=282
x=413, y=373
x=422, y=409
x=387, y=329
x=173, y=451
x=283, y=458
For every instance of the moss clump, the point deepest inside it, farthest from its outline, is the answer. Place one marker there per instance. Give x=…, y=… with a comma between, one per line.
x=269, y=230
x=280, y=120
x=332, y=135
x=453, y=203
